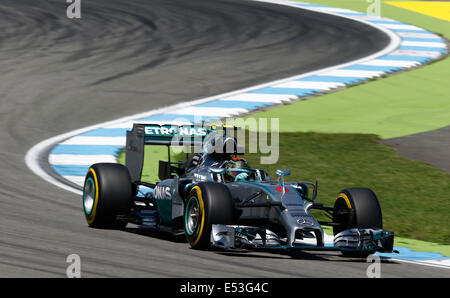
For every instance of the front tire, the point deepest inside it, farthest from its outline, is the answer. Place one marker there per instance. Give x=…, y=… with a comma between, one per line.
x=357, y=208
x=207, y=204
x=107, y=192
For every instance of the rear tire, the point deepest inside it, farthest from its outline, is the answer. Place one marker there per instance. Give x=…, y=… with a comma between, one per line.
x=107, y=192
x=207, y=204
x=357, y=208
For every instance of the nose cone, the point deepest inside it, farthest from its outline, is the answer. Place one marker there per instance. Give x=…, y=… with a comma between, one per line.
x=295, y=221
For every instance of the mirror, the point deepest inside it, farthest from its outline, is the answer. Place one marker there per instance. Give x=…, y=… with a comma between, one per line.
x=281, y=172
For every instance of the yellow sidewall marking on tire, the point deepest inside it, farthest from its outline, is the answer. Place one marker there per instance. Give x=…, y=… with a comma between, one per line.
x=202, y=214
x=94, y=208
x=347, y=201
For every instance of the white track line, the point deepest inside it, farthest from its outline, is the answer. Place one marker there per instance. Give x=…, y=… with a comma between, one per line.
x=429, y=44
x=419, y=35
x=393, y=63
x=81, y=140
x=353, y=73
x=201, y=111
x=444, y=264
x=418, y=53
x=310, y=85
x=256, y=97
x=78, y=159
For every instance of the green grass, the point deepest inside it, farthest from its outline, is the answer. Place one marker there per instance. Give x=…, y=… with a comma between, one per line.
x=152, y=155
x=402, y=104
x=413, y=195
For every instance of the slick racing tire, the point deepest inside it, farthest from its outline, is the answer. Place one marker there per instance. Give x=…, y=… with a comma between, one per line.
x=357, y=208
x=206, y=204
x=107, y=192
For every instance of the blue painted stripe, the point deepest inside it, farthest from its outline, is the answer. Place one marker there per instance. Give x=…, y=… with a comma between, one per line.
x=174, y=117
x=408, y=254
x=405, y=58
x=106, y=132
x=410, y=31
x=310, y=5
x=294, y=91
x=417, y=48
x=249, y=105
x=423, y=39
x=86, y=149
x=344, y=80
x=353, y=13
x=70, y=170
x=386, y=22
x=373, y=68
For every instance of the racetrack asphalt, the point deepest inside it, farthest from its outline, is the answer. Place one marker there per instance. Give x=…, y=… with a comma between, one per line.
x=431, y=147
x=126, y=57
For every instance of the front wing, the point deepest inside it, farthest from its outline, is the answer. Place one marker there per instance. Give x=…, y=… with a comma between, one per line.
x=351, y=240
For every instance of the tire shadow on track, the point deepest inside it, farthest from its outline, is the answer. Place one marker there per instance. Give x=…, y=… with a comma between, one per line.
x=160, y=235
x=335, y=257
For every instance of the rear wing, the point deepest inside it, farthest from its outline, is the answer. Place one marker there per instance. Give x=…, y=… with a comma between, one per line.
x=164, y=135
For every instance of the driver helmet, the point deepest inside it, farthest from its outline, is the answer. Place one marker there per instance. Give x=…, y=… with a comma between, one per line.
x=237, y=167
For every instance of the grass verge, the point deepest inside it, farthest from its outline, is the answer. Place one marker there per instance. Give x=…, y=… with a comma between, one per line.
x=402, y=104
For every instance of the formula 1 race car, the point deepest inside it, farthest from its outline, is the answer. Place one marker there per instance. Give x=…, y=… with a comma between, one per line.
x=217, y=200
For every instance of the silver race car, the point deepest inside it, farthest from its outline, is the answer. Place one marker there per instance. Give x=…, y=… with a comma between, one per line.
x=217, y=200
